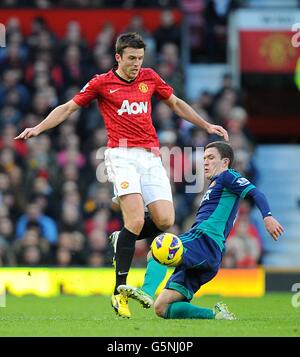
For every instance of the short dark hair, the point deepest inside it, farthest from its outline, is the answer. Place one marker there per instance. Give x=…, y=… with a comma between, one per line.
x=224, y=149
x=130, y=39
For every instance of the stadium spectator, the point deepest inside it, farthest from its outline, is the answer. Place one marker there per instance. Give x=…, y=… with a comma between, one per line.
x=169, y=67
x=63, y=257
x=71, y=249
x=102, y=62
x=168, y=31
x=6, y=228
x=70, y=220
x=74, y=36
x=96, y=259
x=46, y=224
x=216, y=16
x=227, y=83
x=7, y=257
x=6, y=140
x=244, y=244
x=73, y=69
x=105, y=38
x=32, y=249
x=11, y=83
x=136, y=24
x=42, y=69
x=71, y=154
x=164, y=118
x=194, y=18
x=98, y=247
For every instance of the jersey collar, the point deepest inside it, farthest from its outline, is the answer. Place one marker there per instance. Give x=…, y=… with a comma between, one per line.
x=114, y=69
x=213, y=178
x=216, y=176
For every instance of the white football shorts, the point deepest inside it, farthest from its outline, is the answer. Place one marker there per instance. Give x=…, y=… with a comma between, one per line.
x=137, y=170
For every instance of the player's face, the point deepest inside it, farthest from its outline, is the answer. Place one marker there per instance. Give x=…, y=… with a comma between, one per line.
x=129, y=64
x=213, y=164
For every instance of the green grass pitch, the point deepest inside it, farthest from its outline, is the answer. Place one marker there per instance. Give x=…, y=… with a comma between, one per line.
x=271, y=315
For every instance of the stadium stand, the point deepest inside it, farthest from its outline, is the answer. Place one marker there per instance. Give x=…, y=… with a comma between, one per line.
x=55, y=173
x=279, y=169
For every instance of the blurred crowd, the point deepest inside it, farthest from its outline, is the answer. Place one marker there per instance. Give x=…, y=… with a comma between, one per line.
x=206, y=20
x=125, y=4
x=207, y=27
x=55, y=204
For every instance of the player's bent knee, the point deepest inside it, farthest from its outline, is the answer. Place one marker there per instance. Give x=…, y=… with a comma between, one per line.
x=165, y=223
x=160, y=309
x=135, y=224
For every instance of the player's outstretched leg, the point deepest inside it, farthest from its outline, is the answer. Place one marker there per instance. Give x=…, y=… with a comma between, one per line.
x=118, y=301
x=155, y=274
x=222, y=312
x=186, y=310
x=169, y=305
x=137, y=294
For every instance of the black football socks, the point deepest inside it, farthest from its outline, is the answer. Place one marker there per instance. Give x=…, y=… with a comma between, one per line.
x=124, y=254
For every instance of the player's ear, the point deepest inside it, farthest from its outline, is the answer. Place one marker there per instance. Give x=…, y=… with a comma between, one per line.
x=226, y=161
x=118, y=57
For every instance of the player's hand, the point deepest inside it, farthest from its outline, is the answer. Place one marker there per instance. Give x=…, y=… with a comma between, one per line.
x=28, y=133
x=273, y=227
x=219, y=130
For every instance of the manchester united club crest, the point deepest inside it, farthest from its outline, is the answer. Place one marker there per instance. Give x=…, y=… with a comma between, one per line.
x=124, y=185
x=143, y=87
x=277, y=50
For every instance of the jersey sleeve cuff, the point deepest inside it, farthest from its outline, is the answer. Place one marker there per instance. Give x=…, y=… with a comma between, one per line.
x=246, y=190
x=78, y=102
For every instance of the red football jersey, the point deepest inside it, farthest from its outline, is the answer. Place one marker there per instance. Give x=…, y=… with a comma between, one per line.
x=126, y=106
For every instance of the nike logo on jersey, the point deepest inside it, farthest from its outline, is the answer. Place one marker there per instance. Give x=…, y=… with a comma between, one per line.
x=133, y=108
x=113, y=90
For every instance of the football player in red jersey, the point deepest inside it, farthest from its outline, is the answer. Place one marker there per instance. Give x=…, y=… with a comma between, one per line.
x=132, y=156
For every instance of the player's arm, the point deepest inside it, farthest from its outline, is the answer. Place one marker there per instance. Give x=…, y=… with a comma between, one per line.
x=272, y=225
x=243, y=187
x=184, y=110
x=57, y=116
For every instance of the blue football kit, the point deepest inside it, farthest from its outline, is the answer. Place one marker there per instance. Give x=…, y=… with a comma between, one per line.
x=204, y=243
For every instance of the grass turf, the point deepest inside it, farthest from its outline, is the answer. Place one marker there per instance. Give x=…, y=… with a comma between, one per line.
x=271, y=315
